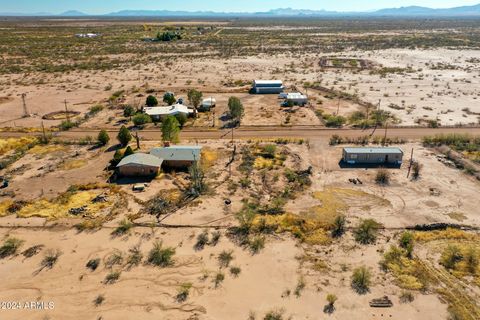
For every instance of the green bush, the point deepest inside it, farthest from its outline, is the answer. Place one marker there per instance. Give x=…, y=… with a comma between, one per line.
x=161, y=257
x=10, y=247
x=124, y=136
x=103, y=137
x=361, y=279
x=141, y=119
x=366, y=231
x=151, y=101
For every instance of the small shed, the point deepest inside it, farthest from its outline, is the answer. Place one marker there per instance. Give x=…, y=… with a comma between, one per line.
x=267, y=86
x=177, y=156
x=207, y=104
x=139, y=165
x=297, y=98
x=379, y=155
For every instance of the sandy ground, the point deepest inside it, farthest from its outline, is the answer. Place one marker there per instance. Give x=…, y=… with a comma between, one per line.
x=448, y=93
x=149, y=292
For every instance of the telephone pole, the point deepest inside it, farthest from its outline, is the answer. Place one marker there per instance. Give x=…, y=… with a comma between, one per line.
x=66, y=111
x=25, y=110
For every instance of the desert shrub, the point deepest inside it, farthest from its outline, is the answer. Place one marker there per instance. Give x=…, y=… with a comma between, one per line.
x=202, y=240
x=115, y=258
x=235, y=271
x=141, y=119
x=338, y=228
x=10, y=247
x=451, y=256
x=416, y=167
x=215, y=238
x=224, y=258
x=406, y=241
x=99, y=300
x=219, y=277
x=183, y=292
x=406, y=297
x=161, y=257
x=256, y=244
x=112, y=277
x=93, y=264
x=334, y=121
x=330, y=307
x=135, y=257
x=382, y=177
x=274, y=315
x=269, y=150
x=181, y=118
x=361, y=279
x=300, y=287
x=123, y=227
x=50, y=259
x=366, y=231
x=128, y=111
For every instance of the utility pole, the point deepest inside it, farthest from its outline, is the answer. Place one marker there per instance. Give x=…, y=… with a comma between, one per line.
x=66, y=111
x=213, y=125
x=385, y=137
x=338, y=106
x=25, y=111
x=411, y=163
x=44, y=134
x=137, y=139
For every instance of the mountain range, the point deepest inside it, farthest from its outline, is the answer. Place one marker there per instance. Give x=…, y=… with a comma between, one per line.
x=411, y=11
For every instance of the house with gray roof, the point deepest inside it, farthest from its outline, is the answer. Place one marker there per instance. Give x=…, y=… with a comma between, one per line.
x=177, y=156
x=373, y=156
x=139, y=164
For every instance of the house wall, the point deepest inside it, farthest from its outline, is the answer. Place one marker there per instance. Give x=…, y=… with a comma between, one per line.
x=177, y=163
x=138, y=171
x=268, y=90
x=372, y=158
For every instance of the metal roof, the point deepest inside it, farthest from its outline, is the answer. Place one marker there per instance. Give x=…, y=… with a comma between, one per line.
x=264, y=82
x=143, y=159
x=373, y=150
x=170, y=110
x=177, y=153
x=296, y=95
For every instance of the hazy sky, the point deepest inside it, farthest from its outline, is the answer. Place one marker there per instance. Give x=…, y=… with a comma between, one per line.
x=104, y=6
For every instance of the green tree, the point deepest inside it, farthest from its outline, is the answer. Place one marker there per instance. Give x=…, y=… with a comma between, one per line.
x=170, y=129
x=128, y=152
x=235, y=108
x=151, y=101
x=169, y=98
x=181, y=118
x=128, y=111
x=194, y=97
x=103, y=137
x=124, y=136
x=141, y=119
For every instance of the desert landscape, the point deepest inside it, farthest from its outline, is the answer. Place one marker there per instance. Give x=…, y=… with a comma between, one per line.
x=269, y=221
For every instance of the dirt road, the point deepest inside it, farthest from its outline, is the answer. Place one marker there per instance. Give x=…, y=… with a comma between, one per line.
x=305, y=132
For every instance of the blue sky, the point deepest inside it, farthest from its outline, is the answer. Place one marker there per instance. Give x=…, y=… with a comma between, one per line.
x=104, y=6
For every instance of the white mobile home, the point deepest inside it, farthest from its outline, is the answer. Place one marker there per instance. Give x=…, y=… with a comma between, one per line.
x=297, y=98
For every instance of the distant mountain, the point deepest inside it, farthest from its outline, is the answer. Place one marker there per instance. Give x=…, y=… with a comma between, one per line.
x=412, y=11
x=73, y=13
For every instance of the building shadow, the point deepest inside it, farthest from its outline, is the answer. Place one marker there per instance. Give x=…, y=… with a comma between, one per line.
x=344, y=165
x=121, y=180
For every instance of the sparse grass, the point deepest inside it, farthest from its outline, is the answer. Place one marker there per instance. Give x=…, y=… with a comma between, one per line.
x=10, y=247
x=256, y=244
x=224, y=258
x=183, y=292
x=135, y=257
x=274, y=315
x=382, y=177
x=219, y=277
x=50, y=259
x=301, y=284
x=406, y=297
x=123, y=228
x=215, y=238
x=112, y=277
x=202, y=240
x=160, y=256
x=115, y=258
x=235, y=271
